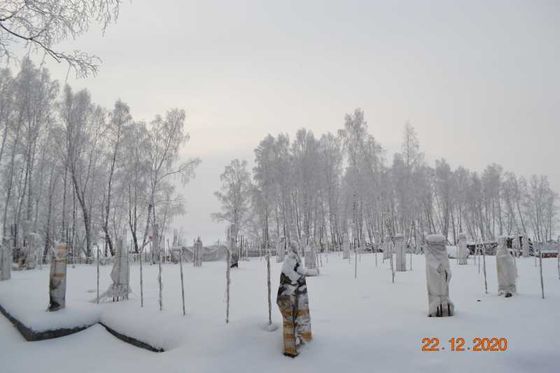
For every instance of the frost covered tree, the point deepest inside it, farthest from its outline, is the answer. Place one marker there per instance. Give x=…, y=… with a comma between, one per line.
x=165, y=137
x=263, y=195
x=70, y=169
x=134, y=181
x=443, y=194
x=83, y=124
x=27, y=115
x=405, y=173
x=114, y=133
x=540, y=208
x=331, y=156
x=42, y=24
x=234, y=196
x=322, y=188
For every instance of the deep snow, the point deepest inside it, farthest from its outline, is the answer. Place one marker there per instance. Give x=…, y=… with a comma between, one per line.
x=363, y=324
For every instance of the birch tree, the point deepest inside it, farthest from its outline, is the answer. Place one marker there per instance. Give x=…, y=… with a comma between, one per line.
x=234, y=196
x=42, y=24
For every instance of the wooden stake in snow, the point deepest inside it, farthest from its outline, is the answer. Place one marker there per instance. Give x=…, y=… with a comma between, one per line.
x=484, y=268
x=158, y=253
x=392, y=267
x=141, y=280
x=127, y=270
x=540, y=270
x=478, y=255
x=97, y=275
x=355, y=260
x=268, y=284
x=182, y=282
x=228, y=254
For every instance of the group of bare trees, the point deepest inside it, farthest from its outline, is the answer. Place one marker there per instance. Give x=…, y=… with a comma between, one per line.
x=325, y=188
x=73, y=171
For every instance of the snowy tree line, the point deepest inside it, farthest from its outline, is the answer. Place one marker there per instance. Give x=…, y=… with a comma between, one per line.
x=72, y=171
x=322, y=189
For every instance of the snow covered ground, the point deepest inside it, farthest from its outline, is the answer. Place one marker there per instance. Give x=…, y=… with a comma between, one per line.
x=359, y=325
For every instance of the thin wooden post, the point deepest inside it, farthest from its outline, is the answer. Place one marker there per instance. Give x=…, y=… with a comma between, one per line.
x=355, y=260
x=558, y=261
x=141, y=280
x=479, y=252
x=392, y=268
x=158, y=253
x=540, y=270
x=160, y=283
x=269, y=286
x=484, y=268
x=228, y=259
x=97, y=274
x=182, y=282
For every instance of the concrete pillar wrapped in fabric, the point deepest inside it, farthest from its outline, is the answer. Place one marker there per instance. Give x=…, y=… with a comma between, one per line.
x=516, y=245
x=345, y=247
x=400, y=250
x=438, y=276
x=5, y=260
x=525, y=246
x=120, y=274
x=310, y=257
x=506, y=270
x=280, y=250
x=57, y=285
x=387, y=247
x=462, y=250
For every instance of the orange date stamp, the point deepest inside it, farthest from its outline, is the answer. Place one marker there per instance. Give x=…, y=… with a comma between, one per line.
x=459, y=344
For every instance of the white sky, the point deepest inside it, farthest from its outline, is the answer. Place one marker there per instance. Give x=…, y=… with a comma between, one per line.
x=479, y=80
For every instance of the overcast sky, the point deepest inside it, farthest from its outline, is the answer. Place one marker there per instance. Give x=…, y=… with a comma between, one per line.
x=479, y=80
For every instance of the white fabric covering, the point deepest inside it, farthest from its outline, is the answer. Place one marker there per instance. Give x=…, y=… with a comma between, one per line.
x=345, y=247
x=516, y=245
x=462, y=250
x=57, y=284
x=506, y=270
x=197, y=252
x=400, y=250
x=438, y=276
x=387, y=247
x=5, y=260
x=525, y=246
x=120, y=274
